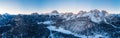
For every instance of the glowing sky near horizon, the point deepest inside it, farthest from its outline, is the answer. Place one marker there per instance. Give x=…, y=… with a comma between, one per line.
x=46, y=6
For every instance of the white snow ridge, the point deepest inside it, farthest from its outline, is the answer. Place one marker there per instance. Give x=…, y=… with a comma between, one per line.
x=46, y=22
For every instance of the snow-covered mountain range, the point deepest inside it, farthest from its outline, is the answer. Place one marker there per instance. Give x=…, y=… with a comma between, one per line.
x=92, y=24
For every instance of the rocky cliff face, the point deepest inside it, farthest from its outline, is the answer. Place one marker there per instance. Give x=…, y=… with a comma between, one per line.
x=93, y=24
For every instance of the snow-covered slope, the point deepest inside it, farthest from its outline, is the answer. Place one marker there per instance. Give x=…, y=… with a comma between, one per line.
x=92, y=24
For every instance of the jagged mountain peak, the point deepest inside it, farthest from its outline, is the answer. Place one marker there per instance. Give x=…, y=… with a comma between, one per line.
x=35, y=13
x=55, y=11
x=94, y=15
x=66, y=25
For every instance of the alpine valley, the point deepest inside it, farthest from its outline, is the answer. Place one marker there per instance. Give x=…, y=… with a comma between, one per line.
x=92, y=24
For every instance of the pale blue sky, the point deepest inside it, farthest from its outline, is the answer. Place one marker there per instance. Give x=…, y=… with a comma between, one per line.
x=43, y=6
